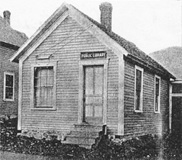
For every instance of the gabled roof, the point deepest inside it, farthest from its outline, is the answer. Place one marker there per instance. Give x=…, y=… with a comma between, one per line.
x=171, y=59
x=11, y=36
x=133, y=51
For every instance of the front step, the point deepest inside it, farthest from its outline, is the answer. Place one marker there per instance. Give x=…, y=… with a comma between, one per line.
x=83, y=135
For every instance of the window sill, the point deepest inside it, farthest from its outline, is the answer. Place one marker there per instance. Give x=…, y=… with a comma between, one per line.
x=8, y=100
x=157, y=112
x=137, y=111
x=43, y=109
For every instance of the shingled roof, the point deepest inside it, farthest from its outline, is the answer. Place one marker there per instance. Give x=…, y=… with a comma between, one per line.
x=9, y=35
x=136, y=53
x=131, y=48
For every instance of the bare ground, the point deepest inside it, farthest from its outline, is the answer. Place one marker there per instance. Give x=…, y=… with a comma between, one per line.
x=17, y=156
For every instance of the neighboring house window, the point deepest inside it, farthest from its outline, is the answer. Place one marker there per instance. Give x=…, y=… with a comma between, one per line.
x=157, y=82
x=138, y=105
x=9, y=80
x=44, y=86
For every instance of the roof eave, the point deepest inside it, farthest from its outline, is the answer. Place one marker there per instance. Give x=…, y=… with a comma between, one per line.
x=162, y=72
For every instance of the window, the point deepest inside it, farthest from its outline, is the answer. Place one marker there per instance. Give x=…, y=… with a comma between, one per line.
x=157, y=94
x=176, y=88
x=138, y=104
x=8, y=86
x=43, y=86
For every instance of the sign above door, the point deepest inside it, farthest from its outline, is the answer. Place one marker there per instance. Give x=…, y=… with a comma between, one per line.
x=93, y=55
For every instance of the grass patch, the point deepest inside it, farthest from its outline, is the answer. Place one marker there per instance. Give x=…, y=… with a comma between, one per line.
x=142, y=147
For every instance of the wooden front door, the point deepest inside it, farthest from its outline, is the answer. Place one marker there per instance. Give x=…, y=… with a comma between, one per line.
x=93, y=94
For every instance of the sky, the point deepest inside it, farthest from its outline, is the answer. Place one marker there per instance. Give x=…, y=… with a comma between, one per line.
x=150, y=24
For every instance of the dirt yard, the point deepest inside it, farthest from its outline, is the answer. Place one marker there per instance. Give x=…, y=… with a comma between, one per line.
x=17, y=156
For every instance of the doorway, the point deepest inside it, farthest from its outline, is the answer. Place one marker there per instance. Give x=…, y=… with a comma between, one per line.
x=93, y=92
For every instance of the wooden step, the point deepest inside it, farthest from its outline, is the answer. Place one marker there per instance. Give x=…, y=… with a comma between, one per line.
x=87, y=146
x=83, y=135
x=87, y=128
x=80, y=140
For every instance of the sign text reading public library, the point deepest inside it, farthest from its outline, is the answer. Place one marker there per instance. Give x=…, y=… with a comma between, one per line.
x=93, y=55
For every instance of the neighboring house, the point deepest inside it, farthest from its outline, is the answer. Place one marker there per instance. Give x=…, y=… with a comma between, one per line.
x=171, y=59
x=77, y=76
x=10, y=41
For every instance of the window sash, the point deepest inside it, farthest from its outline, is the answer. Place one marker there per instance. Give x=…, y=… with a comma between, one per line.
x=138, y=104
x=8, y=86
x=138, y=80
x=43, y=86
x=157, y=95
x=9, y=92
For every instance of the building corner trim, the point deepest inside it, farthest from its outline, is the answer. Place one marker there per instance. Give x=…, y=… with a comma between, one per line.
x=121, y=97
x=20, y=96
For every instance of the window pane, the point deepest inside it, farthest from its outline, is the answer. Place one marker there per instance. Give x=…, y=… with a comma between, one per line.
x=137, y=101
x=157, y=82
x=156, y=103
x=49, y=96
x=9, y=93
x=37, y=96
x=8, y=86
x=43, y=86
x=9, y=80
x=50, y=78
x=157, y=86
x=138, y=80
x=43, y=96
x=138, y=89
x=43, y=77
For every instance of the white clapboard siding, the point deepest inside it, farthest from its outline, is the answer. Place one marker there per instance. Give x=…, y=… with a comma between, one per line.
x=65, y=44
x=147, y=121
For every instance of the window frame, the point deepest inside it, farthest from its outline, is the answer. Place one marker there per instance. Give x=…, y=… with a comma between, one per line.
x=141, y=93
x=159, y=100
x=4, y=88
x=33, y=107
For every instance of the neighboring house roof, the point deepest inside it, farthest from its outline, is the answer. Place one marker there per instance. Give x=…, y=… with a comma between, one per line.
x=11, y=36
x=170, y=58
x=133, y=51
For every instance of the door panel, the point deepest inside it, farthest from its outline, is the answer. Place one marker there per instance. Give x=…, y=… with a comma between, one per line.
x=98, y=80
x=98, y=111
x=89, y=81
x=93, y=94
x=93, y=100
x=89, y=111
